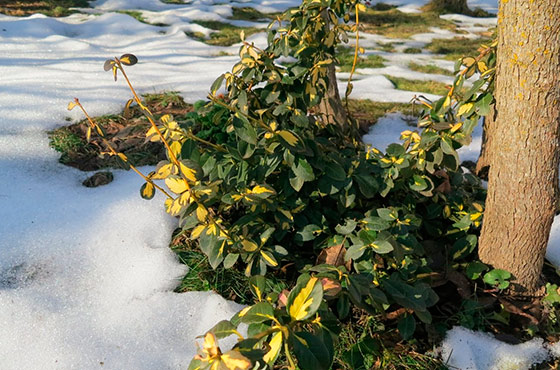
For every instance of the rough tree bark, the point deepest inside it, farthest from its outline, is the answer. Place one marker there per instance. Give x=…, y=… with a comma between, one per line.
x=524, y=161
x=330, y=107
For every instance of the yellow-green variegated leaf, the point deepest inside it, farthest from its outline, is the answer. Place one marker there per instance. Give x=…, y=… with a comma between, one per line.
x=464, y=109
x=233, y=360
x=275, y=346
x=147, y=191
x=176, y=184
x=269, y=258
x=201, y=213
x=288, y=137
x=305, y=298
x=187, y=172
x=163, y=171
x=128, y=59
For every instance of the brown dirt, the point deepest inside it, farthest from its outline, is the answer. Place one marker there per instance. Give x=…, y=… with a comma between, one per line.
x=126, y=132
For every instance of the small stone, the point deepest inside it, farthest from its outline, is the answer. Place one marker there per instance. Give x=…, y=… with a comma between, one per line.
x=98, y=179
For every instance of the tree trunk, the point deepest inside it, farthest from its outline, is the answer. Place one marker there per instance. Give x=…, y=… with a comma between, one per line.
x=524, y=160
x=330, y=108
x=483, y=163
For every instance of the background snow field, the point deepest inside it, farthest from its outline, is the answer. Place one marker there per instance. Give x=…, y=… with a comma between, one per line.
x=86, y=275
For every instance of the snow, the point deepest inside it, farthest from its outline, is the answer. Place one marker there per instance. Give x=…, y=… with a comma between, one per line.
x=86, y=275
x=468, y=350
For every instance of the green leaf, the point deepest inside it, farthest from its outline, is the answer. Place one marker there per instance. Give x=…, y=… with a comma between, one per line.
x=223, y=329
x=303, y=170
x=376, y=223
x=355, y=252
x=418, y=183
x=306, y=297
x=244, y=130
x=217, y=84
x=497, y=278
x=260, y=312
x=347, y=228
x=475, y=269
x=464, y=246
x=230, y=260
x=311, y=352
x=382, y=246
x=407, y=326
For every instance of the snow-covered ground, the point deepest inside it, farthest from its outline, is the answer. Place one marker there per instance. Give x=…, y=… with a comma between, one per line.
x=86, y=276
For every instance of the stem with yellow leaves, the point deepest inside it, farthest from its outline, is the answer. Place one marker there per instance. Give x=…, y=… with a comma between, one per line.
x=94, y=125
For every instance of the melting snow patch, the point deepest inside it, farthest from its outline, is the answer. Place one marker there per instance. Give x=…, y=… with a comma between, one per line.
x=469, y=350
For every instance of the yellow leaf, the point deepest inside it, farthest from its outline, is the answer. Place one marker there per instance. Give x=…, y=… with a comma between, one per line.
x=275, y=345
x=464, y=109
x=259, y=189
x=249, y=246
x=482, y=67
x=175, y=148
x=244, y=311
x=234, y=360
x=210, y=345
x=163, y=172
x=201, y=213
x=197, y=231
x=189, y=173
x=269, y=258
x=456, y=127
x=290, y=138
x=300, y=305
x=152, y=134
x=447, y=102
x=148, y=190
x=469, y=61
x=176, y=184
x=361, y=7
x=166, y=118
x=71, y=105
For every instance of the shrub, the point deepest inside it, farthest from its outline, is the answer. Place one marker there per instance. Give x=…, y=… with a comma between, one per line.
x=264, y=185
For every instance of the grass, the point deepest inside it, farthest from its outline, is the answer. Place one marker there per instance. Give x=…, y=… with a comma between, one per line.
x=345, y=57
x=250, y=14
x=366, y=343
x=396, y=24
x=412, y=51
x=388, y=47
x=229, y=283
x=50, y=8
x=431, y=87
x=429, y=68
x=224, y=34
x=455, y=48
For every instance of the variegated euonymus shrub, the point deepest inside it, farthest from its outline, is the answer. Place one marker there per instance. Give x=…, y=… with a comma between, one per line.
x=274, y=187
